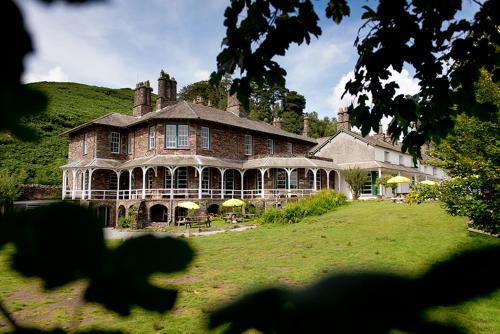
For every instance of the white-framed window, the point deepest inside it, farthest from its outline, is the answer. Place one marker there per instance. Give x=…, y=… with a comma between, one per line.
x=205, y=181
x=149, y=179
x=167, y=183
x=294, y=180
x=115, y=142
x=280, y=178
x=112, y=181
x=386, y=156
x=129, y=143
x=229, y=180
x=176, y=136
x=85, y=148
x=182, y=135
x=434, y=171
x=205, y=138
x=401, y=160
x=181, y=178
x=170, y=136
x=248, y=145
x=270, y=146
x=290, y=148
x=151, y=137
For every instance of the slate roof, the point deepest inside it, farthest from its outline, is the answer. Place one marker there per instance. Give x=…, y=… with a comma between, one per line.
x=193, y=111
x=371, y=140
x=201, y=160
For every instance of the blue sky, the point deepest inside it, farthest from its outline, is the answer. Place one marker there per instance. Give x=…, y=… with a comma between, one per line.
x=120, y=43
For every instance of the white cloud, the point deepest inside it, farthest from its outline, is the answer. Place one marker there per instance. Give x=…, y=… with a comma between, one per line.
x=407, y=85
x=55, y=74
x=200, y=75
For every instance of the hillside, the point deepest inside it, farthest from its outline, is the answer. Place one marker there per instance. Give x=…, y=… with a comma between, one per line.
x=70, y=104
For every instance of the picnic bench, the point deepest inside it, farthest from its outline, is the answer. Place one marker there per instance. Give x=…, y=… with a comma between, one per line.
x=195, y=221
x=232, y=217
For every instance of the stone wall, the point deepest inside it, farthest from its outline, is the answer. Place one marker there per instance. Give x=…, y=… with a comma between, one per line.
x=39, y=192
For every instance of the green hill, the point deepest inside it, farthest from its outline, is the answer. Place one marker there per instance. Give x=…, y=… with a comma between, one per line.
x=70, y=104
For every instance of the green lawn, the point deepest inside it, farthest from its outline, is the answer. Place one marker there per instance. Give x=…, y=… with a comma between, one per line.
x=359, y=236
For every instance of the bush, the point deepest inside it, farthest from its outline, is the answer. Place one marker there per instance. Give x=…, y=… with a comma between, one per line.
x=318, y=204
x=131, y=220
x=124, y=222
x=9, y=190
x=356, y=178
x=422, y=192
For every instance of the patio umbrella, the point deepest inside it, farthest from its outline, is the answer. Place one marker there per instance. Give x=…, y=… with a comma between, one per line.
x=429, y=183
x=233, y=202
x=398, y=179
x=188, y=205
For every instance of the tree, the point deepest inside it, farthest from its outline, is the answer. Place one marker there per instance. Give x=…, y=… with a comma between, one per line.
x=9, y=190
x=217, y=95
x=445, y=51
x=382, y=181
x=293, y=112
x=356, y=179
x=324, y=127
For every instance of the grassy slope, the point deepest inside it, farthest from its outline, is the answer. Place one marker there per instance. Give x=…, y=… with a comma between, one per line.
x=70, y=105
x=360, y=236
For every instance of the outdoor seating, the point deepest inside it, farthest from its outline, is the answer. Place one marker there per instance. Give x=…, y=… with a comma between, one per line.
x=233, y=217
x=201, y=220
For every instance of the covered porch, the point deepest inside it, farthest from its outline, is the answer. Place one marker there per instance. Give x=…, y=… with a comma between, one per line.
x=200, y=177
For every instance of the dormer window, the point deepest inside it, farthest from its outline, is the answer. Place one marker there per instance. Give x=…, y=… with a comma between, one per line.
x=248, y=145
x=386, y=156
x=290, y=148
x=151, y=137
x=115, y=142
x=401, y=160
x=270, y=146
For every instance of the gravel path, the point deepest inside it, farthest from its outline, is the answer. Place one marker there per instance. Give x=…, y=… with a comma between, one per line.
x=114, y=234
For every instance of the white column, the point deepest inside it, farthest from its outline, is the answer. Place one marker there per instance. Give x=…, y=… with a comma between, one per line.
x=399, y=184
x=63, y=195
x=315, y=171
x=288, y=175
x=84, y=177
x=242, y=173
x=380, y=176
x=91, y=171
x=172, y=171
x=200, y=179
x=144, y=170
x=118, y=173
x=222, y=172
x=73, y=184
x=130, y=171
x=262, y=174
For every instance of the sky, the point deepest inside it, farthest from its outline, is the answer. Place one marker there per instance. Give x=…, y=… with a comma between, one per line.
x=119, y=43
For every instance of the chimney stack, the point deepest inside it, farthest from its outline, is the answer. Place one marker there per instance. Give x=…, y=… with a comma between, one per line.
x=380, y=135
x=142, y=99
x=343, y=119
x=167, y=91
x=234, y=105
x=278, y=122
x=306, y=132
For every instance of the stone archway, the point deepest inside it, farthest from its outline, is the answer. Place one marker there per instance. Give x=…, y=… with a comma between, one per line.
x=121, y=211
x=158, y=213
x=180, y=213
x=213, y=209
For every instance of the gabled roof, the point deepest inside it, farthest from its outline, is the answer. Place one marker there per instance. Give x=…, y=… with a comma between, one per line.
x=112, y=119
x=370, y=140
x=186, y=110
x=193, y=111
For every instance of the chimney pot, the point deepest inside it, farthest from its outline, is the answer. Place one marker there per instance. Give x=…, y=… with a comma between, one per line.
x=142, y=99
x=278, y=122
x=167, y=91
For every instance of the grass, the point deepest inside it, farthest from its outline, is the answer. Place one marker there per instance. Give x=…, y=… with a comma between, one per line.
x=70, y=105
x=359, y=236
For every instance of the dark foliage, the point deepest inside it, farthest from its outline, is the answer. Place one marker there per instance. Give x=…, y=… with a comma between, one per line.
x=366, y=302
x=446, y=53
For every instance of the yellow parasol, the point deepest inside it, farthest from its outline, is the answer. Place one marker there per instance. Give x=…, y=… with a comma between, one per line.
x=429, y=183
x=398, y=179
x=188, y=205
x=233, y=202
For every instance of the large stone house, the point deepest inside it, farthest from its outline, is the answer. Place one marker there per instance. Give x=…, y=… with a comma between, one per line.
x=181, y=150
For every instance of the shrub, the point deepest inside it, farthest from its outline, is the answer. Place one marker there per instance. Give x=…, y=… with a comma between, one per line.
x=130, y=221
x=318, y=204
x=124, y=222
x=9, y=190
x=382, y=181
x=422, y=192
x=356, y=178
